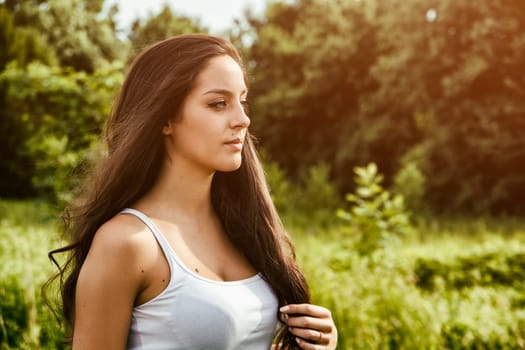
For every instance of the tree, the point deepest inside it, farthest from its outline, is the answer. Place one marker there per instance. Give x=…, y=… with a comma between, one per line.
x=61, y=112
x=455, y=70
x=21, y=45
x=67, y=33
x=311, y=64
x=161, y=26
x=349, y=82
x=75, y=30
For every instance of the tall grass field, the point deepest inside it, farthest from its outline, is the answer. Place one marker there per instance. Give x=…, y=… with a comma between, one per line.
x=452, y=284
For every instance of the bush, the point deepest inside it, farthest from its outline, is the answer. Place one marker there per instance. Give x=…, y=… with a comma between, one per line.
x=410, y=181
x=374, y=306
x=14, y=313
x=489, y=269
x=27, y=232
x=382, y=306
x=62, y=113
x=317, y=197
x=310, y=202
x=380, y=217
x=283, y=192
x=482, y=318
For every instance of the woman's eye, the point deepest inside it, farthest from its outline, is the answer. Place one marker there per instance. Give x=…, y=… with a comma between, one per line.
x=217, y=105
x=221, y=105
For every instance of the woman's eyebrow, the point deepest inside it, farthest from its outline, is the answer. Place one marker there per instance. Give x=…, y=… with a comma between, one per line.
x=224, y=92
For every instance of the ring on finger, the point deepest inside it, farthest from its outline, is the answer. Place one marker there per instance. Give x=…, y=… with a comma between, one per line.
x=320, y=337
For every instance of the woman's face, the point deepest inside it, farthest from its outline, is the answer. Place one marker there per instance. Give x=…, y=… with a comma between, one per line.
x=209, y=133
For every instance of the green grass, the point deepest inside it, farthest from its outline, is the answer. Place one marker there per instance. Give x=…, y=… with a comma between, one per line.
x=28, y=230
x=379, y=303
x=454, y=284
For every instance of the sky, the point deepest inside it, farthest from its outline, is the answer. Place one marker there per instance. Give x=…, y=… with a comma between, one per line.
x=217, y=15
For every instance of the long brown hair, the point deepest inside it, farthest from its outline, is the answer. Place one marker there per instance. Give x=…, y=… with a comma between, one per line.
x=156, y=85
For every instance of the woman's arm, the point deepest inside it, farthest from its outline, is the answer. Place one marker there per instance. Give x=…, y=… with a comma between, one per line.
x=107, y=286
x=313, y=325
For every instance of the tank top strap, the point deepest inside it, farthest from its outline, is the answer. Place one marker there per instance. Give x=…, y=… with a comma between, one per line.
x=164, y=245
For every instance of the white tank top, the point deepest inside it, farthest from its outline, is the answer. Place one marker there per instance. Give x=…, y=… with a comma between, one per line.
x=194, y=312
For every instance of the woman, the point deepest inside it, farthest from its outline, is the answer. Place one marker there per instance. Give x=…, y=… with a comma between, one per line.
x=175, y=242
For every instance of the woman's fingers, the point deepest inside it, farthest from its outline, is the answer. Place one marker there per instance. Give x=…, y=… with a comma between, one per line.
x=312, y=324
x=323, y=325
x=306, y=309
x=308, y=316
x=311, y=335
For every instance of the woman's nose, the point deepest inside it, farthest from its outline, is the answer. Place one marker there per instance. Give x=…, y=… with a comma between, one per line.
x=240, y=118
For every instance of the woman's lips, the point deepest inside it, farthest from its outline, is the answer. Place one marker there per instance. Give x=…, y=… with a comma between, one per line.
x=235, y=143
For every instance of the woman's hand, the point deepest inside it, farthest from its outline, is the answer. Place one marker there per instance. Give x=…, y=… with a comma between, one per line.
x=311, y=324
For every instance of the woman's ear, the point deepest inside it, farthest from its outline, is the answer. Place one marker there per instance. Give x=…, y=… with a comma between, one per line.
x=167, y=129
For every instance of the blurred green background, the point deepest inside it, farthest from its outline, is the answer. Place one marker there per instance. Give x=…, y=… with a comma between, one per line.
x=392, y=133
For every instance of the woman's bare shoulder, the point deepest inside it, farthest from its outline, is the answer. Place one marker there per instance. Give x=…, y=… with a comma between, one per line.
x=125, y=236
x=111, y=277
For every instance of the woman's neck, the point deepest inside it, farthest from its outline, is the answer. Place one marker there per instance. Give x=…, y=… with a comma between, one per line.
x=179, y=192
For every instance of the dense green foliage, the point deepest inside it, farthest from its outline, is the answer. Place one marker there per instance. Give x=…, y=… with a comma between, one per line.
x=57, y=146
x=385, y=306
x=72, y=31
x=439, y=84
x=161, y=26
x=395, y=283
x=379, y=217
x=308, y=203
x=51, y=57
x=27, y=231
x=432, y=91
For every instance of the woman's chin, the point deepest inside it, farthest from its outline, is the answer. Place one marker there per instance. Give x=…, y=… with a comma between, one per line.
x=231, y=166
